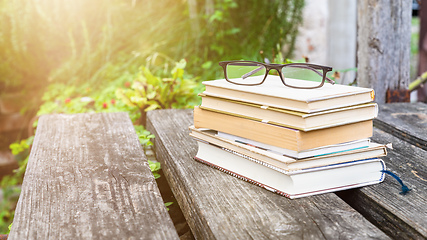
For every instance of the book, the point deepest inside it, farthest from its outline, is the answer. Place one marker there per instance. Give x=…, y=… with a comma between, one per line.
x=292, y=139
x=274, y=94
x=292, y=119
x=315, y=152
x=293, y=184
x=286, y=163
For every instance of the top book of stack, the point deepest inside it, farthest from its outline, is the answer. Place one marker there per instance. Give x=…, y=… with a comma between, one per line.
x=274, y=94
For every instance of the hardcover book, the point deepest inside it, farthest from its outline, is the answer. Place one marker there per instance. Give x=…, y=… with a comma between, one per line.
x=273, y=93
x=293, y=184
x=283, y=137
x=292, y=119
x=286, y=163
x=314, y=152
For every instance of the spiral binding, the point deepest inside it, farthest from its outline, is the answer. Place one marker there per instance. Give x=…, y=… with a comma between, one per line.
x=254, y=160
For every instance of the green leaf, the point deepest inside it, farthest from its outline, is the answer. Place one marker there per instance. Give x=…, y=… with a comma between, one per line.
x=23, y=145
x=167, y=204
x=178, y=73
x=151, y=94
x=181, y=64
x=143, y=135
x=122, y=96
x=139, y=101
x=152, y=107
x=154, y=166
x=156, y=175
x=138, y=85
x=151, y=79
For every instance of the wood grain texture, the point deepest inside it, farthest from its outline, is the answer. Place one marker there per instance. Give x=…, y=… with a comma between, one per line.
x=383, y=45
x=407, y=121
x=88, y=178
x=219, y=206
x=401, y=216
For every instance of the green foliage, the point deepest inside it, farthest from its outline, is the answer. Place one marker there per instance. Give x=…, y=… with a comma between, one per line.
x=7, y=206
x=154, y=167
x=77, y=41
x=21, y=152
x=144, y=135
x=21, y=146
x=68, y=98
x=240, y=29
x=9, y=183
x=149, y=92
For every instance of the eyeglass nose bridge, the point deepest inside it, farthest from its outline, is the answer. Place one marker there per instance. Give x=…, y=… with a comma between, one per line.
x=276, y=67
x=270, y=66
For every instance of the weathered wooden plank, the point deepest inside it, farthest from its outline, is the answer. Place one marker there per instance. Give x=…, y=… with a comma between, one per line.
x=88, y=178
x=400, y=216
x=219, y=206
x=407, y=121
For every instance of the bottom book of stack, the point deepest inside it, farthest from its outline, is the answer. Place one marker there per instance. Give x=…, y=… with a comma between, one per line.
x=293, y=178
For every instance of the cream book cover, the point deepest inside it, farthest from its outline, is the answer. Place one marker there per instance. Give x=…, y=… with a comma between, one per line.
x=287, y=118
x=274, y=94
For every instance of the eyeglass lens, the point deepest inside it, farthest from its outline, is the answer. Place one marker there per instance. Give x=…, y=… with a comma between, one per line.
x=295, y=75
x=245, y=72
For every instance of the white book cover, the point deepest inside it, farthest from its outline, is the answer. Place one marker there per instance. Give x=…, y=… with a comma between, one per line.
x=286, y=163
x=295, y=184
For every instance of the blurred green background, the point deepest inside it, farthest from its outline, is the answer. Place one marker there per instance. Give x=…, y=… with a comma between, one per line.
x=59, y=56
x=91, y=43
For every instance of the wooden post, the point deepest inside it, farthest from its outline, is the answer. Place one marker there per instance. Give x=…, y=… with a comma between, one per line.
x=384, y=31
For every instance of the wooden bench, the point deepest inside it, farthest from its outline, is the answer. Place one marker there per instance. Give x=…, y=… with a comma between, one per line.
x=88, y=178
x=219, y=206
x=401, y=216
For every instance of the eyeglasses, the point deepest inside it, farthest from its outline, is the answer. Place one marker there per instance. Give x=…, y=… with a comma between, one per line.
x=295, y=75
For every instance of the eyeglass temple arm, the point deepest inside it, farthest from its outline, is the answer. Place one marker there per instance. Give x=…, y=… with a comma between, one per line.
x=330, y=80
x=246, y=75
x=255, y=70
x=319, y=73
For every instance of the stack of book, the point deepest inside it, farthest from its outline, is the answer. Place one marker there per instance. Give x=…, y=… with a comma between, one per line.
x=295, y=142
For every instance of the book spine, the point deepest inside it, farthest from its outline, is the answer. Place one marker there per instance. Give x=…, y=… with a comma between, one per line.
x=243, y=178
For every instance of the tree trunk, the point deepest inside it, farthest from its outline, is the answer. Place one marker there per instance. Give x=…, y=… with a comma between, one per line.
x=384, y=35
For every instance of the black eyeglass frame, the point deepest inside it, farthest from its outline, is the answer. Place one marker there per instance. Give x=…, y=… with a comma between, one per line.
x=278, y=68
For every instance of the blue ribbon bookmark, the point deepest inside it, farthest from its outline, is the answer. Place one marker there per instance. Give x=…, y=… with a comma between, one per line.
x=405, y=188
